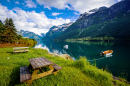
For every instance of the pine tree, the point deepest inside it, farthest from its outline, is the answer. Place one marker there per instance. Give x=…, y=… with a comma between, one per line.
x=10, y=35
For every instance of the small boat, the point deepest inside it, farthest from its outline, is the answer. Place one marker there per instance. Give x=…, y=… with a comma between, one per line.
x=66, y=46
x=107, y=52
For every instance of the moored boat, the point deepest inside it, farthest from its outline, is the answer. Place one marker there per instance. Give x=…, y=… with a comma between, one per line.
x=107, y=52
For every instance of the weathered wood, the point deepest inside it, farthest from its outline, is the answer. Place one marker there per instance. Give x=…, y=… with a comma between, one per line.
x=20, y=47
x=35, y=72
x=37, y=63
x=57, y=67
x=29, y=82
x=51, y=67
x=43, y=60
x=27, y=73
x=24, y=74
x=41, y=75
x=41, y=63
x=21, y=74
x=20, y=51
x=34, y=65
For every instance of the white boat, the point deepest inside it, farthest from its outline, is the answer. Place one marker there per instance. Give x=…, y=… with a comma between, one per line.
x=66, y=46
x=107, y=52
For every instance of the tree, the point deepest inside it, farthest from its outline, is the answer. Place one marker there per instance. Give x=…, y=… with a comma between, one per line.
x=6, y=22
x=10, y=35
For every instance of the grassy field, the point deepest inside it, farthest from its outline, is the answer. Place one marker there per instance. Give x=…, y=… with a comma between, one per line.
x=74, y=73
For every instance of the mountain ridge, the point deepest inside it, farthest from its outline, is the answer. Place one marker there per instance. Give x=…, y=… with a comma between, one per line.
x=96, y=24
x=31, y=35
x=55, y=31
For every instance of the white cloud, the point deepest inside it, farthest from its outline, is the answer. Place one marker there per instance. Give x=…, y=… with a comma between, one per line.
x=17, y=2
x=30, y=4
x=119, y=0
x=55, y=14
x=77, y=5
x=60, y=4
x=30, y=21
x=76, y=13
x=8, y=1
x=48, y=8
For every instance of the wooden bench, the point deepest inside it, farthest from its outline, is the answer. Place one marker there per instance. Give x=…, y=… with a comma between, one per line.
x=56, y=68
x=20, y=49
x=24, y=74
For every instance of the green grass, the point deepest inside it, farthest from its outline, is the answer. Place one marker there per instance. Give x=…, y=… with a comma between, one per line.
x=74, y=73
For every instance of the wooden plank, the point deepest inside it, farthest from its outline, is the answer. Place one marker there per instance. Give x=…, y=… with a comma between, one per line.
x=48, y=60
x=36, y=62
x=21, y=69
x=21, y=51
x=21, y=74
x=35, y=72
x=45, y=61
x=24, y=74
x=51, y=67
x=27, y=73
x=41, y=75
x=41, y=62
x=57, y=67
x=34, y=65
x=19, y=47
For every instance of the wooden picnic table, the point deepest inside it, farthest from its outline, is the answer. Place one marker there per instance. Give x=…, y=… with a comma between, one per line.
x=37, y=64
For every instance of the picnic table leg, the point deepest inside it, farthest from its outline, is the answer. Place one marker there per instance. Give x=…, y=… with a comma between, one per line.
x=35, y=72
x=29, y=82
x=51, y=67
x=55, y=73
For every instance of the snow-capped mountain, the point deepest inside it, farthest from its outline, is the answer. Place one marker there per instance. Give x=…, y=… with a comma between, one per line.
x=60, y=28
x=31, y=35
x=110, y=22
x=56, y=31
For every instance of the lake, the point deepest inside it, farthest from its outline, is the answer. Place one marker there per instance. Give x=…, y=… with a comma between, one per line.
x=118, y=63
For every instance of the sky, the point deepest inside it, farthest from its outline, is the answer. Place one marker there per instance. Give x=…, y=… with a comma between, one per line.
x=39, y=16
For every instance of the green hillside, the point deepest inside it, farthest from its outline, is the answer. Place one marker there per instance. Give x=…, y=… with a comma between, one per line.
x=108, y=22
x=118, y=27
x=74, y=73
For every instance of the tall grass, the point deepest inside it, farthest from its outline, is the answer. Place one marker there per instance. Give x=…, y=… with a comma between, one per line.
x=74, y=73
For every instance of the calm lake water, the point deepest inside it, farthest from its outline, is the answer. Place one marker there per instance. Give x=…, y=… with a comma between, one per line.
x=118, y=64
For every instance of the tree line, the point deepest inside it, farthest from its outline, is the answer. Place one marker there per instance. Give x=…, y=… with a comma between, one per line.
x=8, y=34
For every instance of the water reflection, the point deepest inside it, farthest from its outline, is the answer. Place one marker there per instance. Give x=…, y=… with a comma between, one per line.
x=118, y=63
x=106, y=56
x=76, y=50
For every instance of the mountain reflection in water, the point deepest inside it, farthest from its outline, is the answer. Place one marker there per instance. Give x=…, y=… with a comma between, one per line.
x=118, y=63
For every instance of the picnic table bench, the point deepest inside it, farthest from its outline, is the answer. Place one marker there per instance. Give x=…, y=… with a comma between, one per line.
x=37, y=64
x=20, y=49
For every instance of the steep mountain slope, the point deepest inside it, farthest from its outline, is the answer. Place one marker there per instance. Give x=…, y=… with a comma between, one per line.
x=31, y=35
x=113, y=21
x=56, y=31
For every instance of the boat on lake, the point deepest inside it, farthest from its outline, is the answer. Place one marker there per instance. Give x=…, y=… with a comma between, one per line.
x=66, y=46
x=107, y=52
